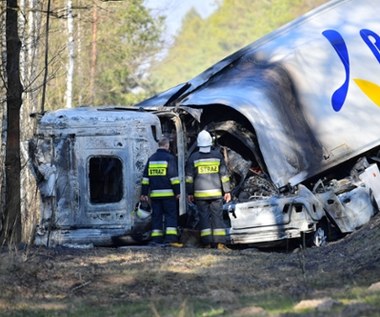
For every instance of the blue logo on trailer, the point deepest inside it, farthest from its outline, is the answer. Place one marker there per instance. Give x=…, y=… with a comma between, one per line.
x=371, y=89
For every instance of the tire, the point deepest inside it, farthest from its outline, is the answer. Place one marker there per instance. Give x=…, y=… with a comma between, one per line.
x=317, y=238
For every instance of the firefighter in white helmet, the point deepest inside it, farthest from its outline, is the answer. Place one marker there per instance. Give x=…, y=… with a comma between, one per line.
x=207, y=183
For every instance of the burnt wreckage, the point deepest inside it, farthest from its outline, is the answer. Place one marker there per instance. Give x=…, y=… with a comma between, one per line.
x=295, y=114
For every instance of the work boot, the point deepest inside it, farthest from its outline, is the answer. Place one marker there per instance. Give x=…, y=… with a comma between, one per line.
x=222, y=247
x=176, y=244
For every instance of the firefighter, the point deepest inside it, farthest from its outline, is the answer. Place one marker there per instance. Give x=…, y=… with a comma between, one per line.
x=161, y=183
x=207, y=183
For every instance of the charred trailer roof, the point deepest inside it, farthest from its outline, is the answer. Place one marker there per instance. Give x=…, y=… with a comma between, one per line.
x=89, y=162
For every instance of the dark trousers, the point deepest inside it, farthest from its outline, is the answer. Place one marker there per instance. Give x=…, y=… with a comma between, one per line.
x=164, y=220
x=211, y=223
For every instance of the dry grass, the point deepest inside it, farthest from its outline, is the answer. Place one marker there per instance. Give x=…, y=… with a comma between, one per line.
x=135, y=281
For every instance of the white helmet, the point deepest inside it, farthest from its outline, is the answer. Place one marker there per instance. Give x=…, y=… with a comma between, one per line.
x=143, y=210
x=204, y=139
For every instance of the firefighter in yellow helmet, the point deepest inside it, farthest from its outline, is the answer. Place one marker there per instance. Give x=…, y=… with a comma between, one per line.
x=207, y=183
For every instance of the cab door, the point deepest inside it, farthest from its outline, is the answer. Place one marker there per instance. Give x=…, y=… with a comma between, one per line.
x=102, y=171
x=173, y=124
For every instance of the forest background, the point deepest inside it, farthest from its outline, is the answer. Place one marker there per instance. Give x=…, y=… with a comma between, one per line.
x=67, y=53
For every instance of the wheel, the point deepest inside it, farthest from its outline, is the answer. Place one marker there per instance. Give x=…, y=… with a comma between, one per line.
x=317, y=238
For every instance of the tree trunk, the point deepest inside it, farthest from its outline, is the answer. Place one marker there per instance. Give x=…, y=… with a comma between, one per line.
x=93, y=52
x=46, y=70
x=11, y=233
x=71, y=56
x=79, y=61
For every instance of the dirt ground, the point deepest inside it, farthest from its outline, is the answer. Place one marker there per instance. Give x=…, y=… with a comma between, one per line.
x=339, y=279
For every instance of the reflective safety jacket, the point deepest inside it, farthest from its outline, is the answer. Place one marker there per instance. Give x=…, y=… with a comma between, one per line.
x=207, y=175
x=160, y=178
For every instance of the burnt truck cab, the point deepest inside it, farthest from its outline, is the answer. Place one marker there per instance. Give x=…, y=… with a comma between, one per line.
x=88, y=163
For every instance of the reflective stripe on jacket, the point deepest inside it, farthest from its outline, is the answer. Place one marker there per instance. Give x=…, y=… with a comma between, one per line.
x=207, y=176
x=160, y=178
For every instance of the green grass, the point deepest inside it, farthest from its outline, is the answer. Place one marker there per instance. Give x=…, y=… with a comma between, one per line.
x=272, y=304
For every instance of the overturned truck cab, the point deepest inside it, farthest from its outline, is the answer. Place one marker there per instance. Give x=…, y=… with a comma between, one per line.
x=88, y=163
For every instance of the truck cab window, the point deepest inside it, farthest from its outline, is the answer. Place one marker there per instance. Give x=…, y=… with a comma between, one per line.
x=106, y=180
